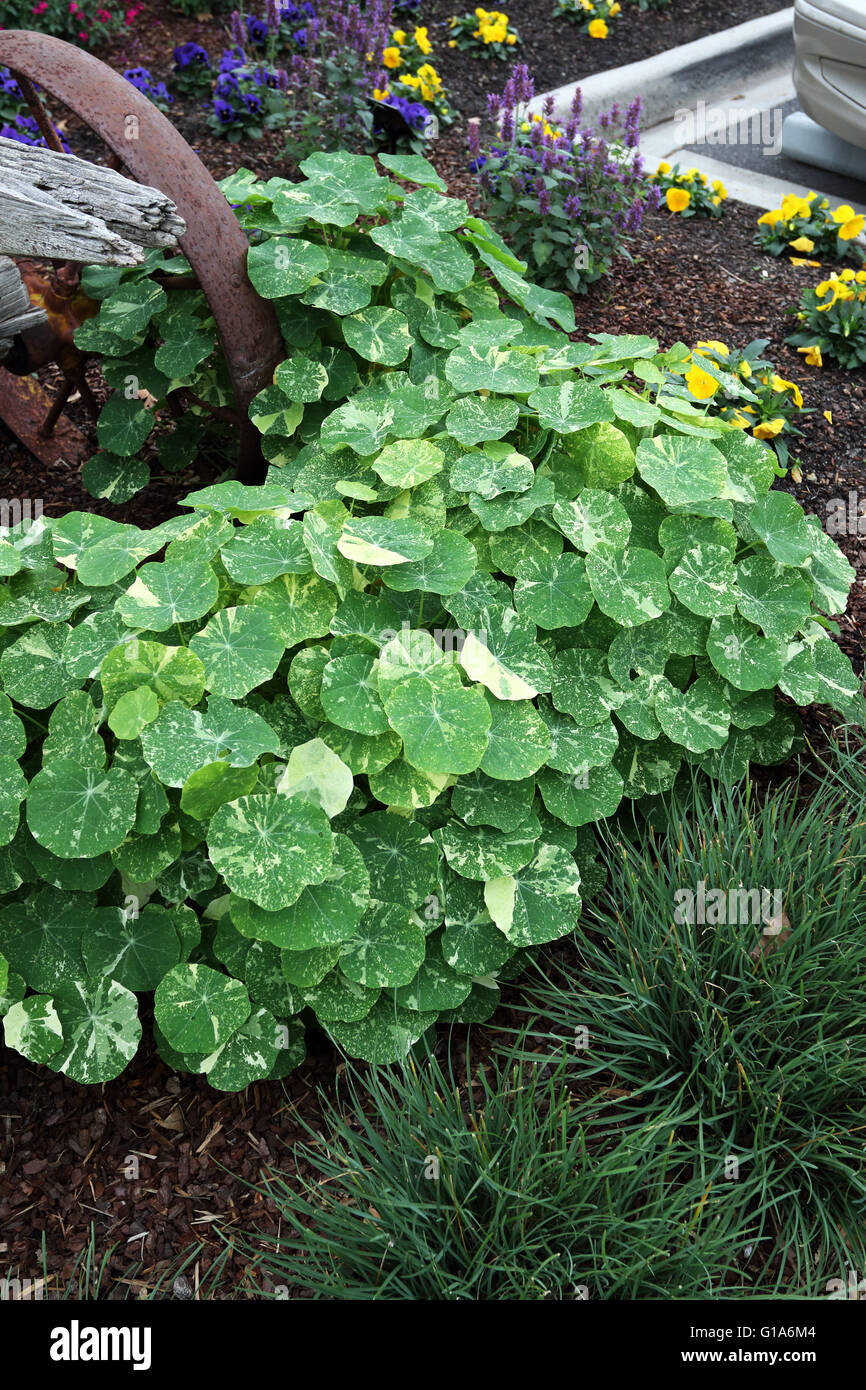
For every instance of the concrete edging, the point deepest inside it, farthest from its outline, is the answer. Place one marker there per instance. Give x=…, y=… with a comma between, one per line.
x=671, y=81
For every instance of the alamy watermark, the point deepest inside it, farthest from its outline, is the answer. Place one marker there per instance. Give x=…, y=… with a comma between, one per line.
x=18, y=514
x=725, y=125
x=730, y=906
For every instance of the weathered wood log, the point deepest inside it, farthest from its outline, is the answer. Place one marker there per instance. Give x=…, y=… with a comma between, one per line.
x=16, y=312
x=60, y=207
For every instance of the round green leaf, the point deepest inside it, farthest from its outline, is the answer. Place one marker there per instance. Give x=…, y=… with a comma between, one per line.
x=198, y=1008
x=268, y=848
x=79, y=812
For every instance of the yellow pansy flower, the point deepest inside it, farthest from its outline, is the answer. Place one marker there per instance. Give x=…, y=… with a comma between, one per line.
x=719, y=187
x=399, y=37
x=597, y=29
x=800, y=260
x=802, y=243
x=780, y=384
x=852, y=228
x=392, y=58
x=714, y=345
x=740, y=420
x=745, y=369
x=423, y=42
x=380, y=96
x=812, y=355
x=664, y=167
x=614, y=9
x=769, y=219
x=677, y=199
x=795, y=206
x=700, y=383
x=768, y=429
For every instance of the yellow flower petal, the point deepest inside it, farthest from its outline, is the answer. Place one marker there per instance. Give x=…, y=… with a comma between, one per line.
x=677, y=199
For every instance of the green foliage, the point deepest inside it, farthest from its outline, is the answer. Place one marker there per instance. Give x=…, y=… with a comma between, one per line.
x=833, y=319
x=484, y=33
x=332, y=747
x=688, y=193
x=86, y=23
x=808, y=227
x=593, y=17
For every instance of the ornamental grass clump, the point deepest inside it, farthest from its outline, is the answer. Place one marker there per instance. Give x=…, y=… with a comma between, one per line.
x=688, y=192
x=833, y=318
x=330, y=750
x=566, y=199
x=807, y=226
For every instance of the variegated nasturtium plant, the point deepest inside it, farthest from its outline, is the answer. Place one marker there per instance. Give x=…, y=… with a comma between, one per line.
x=333, y=748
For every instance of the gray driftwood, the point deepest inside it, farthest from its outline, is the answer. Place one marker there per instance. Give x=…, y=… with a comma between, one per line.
x=60, y=207
x=16, y=312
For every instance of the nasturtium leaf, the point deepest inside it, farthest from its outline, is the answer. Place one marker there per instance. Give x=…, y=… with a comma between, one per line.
x=41, y=937
x=10, y=560
x=180, y=740
x=337, y=998
x=72, y=731
x=72, y=875
x=517, y=740
x=362, y=753
x=492, y=471
x=742, y=655
x=411, y=654
x=269, y=847
x=838, y=686
x=273, y=413
x=307, y=968
x=13, y=736
x=582, y=686
x=582, y=796
x=164, y=594
x=400, y=858
x=682, y=469
x=570, y=406
x=301, y=379
x=525, y=551
x=246, y=501
x=141, y=858
x=401, y=785
x=301, y=605
x=362, y=428
x=408, y=462
x=484, y=852
x=305, y=681
x=557, y=594
x=375, y=540
x=31, y=668
x=239, y=648
x=350, y=694
x=132, y=712
x=471, y=944
x=602, y=454
x=629, y=585
x=264, y=978
x=505, y=657
x=386, y=948
x=445, y=570
x=198, y=1008
x=378, y=335
x=593, y=519
x=646, y=767
x=136, y=950
x=505, y=371
x=124, y=425
x=282, y=266
x=573, y=748
x=443, y=723
x=699, y=719
x=828, y=570
x=773, y=597
x=704, y=580
x=479, y=799
x=540, y=901
x=414, y=168
x=512, y=509
x=265, y=549
x=324, y=914
x=435, y=986
x=248, y=1055
x=171, y=673
x=90, y=641
x=189, y=875
x=209, y=787
x=314, y=772
x=78, y=812
x=780, y=523
x=472, y=419
x=386, y=1034
x=680, y=533
x=32, y=1027
x=183, y=349
x=101, y=1029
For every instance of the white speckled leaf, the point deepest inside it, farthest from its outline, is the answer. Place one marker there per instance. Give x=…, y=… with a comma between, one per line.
x=377, y=540
x=630, y=585
x=386, y=948
x=135, y=951
x=269, y=847
x=198, y=1008
x=483, y=852
x=593, y=519
x=239, y=648
x=443, y=723
x=265, y=549
x=742, y=655
x=400, y=859
x=541, y=902
x=182, y=740
x=79, y=812
x=101, y=1030
x=31, y=668
x=324, y=914
x=302, y=605
x=699, y=718
x=506, y=658
x=705, y=581
x=164, y=594
x=385, y=1035
x=517, y=741
x=248, y=1055
x=682, y=469
x=315, y=773
x=32, y=1028
x=350, y=694
x=582, y=686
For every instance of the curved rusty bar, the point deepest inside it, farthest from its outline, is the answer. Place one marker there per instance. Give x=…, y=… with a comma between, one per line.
x=155, y=153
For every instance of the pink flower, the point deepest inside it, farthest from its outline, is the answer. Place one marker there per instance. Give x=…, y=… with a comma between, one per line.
x=40, y=9
x=73, y=8
x=84, y=37
x=104, y=16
